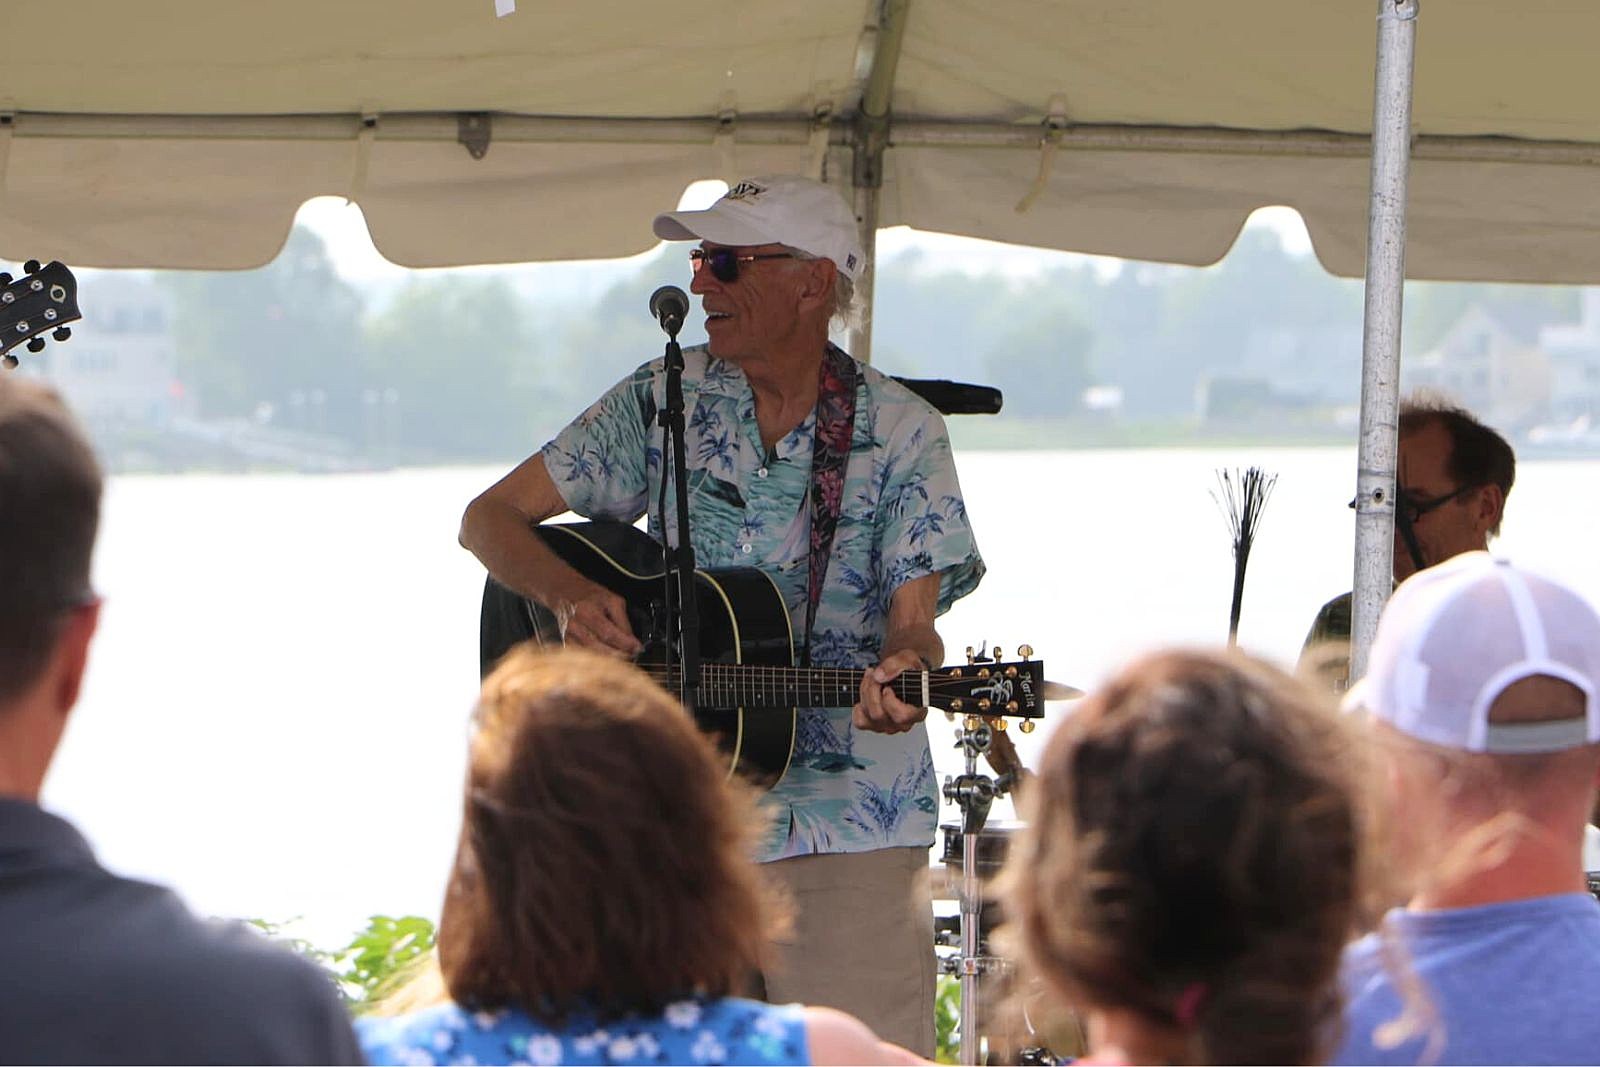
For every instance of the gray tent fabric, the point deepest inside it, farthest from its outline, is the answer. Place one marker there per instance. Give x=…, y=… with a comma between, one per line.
x=182, y=133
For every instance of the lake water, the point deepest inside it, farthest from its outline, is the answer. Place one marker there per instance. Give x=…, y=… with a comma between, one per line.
x=274, y=720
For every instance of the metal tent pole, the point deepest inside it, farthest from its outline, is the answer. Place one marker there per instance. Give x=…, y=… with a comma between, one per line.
x=869, y=138
x=1380, y=350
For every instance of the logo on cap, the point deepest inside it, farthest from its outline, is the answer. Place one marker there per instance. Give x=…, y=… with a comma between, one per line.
x=745, y=190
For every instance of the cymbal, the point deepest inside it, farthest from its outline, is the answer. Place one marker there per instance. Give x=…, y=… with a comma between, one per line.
x=1060, y=691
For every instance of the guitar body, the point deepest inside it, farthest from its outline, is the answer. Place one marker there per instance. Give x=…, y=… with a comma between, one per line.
x=743, y=620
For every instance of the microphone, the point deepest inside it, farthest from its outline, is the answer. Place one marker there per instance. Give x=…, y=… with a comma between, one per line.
x=669, y=306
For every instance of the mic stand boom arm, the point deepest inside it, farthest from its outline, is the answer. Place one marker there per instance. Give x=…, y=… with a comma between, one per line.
x=683, y=617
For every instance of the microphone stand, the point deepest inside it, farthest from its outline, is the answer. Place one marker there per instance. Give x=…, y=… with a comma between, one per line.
x=683, y=616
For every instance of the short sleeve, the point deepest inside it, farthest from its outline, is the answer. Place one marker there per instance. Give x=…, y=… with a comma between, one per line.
x=600, y=462
x=924, y=528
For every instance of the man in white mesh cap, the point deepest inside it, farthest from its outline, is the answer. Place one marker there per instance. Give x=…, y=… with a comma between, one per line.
x=1484, y=684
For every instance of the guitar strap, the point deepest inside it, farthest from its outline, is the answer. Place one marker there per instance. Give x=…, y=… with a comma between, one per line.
x=830, y=450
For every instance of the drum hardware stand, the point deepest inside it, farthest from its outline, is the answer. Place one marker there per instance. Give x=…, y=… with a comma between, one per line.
x=973, y=792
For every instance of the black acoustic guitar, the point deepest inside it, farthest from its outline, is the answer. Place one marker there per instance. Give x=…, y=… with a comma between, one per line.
x=749, y=686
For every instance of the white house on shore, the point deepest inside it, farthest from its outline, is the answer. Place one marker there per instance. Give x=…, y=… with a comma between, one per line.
x=1492, y=364
x=119, y=367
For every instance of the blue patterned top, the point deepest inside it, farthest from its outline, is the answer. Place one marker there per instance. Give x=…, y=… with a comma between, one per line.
x=726, y=1030
x=902, y=518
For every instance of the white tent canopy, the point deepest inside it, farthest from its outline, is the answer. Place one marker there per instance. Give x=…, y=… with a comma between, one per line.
x=182, y=133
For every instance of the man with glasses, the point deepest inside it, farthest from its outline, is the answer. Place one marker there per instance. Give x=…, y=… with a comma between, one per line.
x=1453, y=475
x=98, y=968
x=839, y=484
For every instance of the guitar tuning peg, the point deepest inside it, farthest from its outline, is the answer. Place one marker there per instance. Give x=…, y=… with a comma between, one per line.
x=9, y=360
x=61, y=333
x=5, y=277
x=36, y=345
x=1027, y=726
x=996, y=655
x=999, y=724
x=1025, y=651
x=31, y=267
x=971, y=657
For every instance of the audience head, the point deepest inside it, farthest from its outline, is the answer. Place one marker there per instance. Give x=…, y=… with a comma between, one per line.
x=1454, y=476
x=1483, y=679
x=49, y=513
x=604, y=859
x=1194, y=860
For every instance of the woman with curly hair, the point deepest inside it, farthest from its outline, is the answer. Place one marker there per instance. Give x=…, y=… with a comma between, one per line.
x=603, y=907
x=1194, y=864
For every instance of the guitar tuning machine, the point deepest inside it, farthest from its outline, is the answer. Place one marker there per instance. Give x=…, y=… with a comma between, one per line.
x=9, y=360
x=31, y=267
x=36, y=345
x=971, y=656
x=1027, y=726
x=1025, y=651
x=999, y=725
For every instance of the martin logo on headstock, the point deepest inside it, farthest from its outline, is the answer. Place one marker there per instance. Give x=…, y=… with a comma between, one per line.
x=42, y=301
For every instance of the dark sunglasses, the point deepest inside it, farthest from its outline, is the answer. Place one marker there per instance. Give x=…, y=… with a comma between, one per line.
x=1414, y=509
x=724, y=262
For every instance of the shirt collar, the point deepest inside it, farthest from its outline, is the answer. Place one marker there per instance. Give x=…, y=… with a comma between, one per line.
x=27, y=828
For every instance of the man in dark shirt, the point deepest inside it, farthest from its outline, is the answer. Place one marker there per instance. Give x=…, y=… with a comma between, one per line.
x=95, y=968
x=1452, y=479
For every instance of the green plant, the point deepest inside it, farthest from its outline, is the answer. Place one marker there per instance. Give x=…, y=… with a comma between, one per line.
x=947, y=1019
x=383, y=953
x=375, y=959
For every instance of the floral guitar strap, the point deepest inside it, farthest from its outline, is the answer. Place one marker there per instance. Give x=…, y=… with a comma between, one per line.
x=830, y=449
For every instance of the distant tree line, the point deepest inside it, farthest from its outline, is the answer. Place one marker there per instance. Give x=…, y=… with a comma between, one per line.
x=461, y=366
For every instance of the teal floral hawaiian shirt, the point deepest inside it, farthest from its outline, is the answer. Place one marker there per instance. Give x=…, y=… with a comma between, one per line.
x=902, y=518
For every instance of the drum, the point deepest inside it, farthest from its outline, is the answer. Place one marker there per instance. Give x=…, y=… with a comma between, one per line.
x=994, y=843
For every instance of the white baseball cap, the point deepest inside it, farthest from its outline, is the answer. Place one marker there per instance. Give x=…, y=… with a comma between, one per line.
x=1455, y=636
x=780, y=209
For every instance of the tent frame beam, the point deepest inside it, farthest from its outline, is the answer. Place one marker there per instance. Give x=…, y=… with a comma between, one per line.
x=790, y=130
x=868, y=139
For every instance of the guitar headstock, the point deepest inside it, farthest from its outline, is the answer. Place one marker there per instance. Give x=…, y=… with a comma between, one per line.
x=991, y=688
x=42, y=301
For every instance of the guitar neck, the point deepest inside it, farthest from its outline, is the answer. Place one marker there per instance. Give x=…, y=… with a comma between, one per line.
x=730, y=685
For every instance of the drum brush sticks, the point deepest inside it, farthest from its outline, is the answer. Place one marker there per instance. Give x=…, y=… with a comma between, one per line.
x=1243, y=497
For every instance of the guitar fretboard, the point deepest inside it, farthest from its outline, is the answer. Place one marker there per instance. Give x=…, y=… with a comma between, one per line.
x=738, y=685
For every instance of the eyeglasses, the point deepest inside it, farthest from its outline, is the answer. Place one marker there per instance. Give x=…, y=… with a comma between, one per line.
x=724, y=262
x=1414, y=508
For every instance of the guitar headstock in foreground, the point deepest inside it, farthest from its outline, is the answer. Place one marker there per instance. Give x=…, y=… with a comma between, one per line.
x=42, y=301
x=987, y=687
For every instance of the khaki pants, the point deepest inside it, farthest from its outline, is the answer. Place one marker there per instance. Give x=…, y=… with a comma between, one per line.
x=863, y=941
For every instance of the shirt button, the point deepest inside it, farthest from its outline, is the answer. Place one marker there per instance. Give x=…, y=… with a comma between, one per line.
x=747, y=549
x=762, y=473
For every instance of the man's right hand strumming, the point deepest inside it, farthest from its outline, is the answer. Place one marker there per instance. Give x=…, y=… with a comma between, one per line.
x=592, y=616
x=498, y=528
